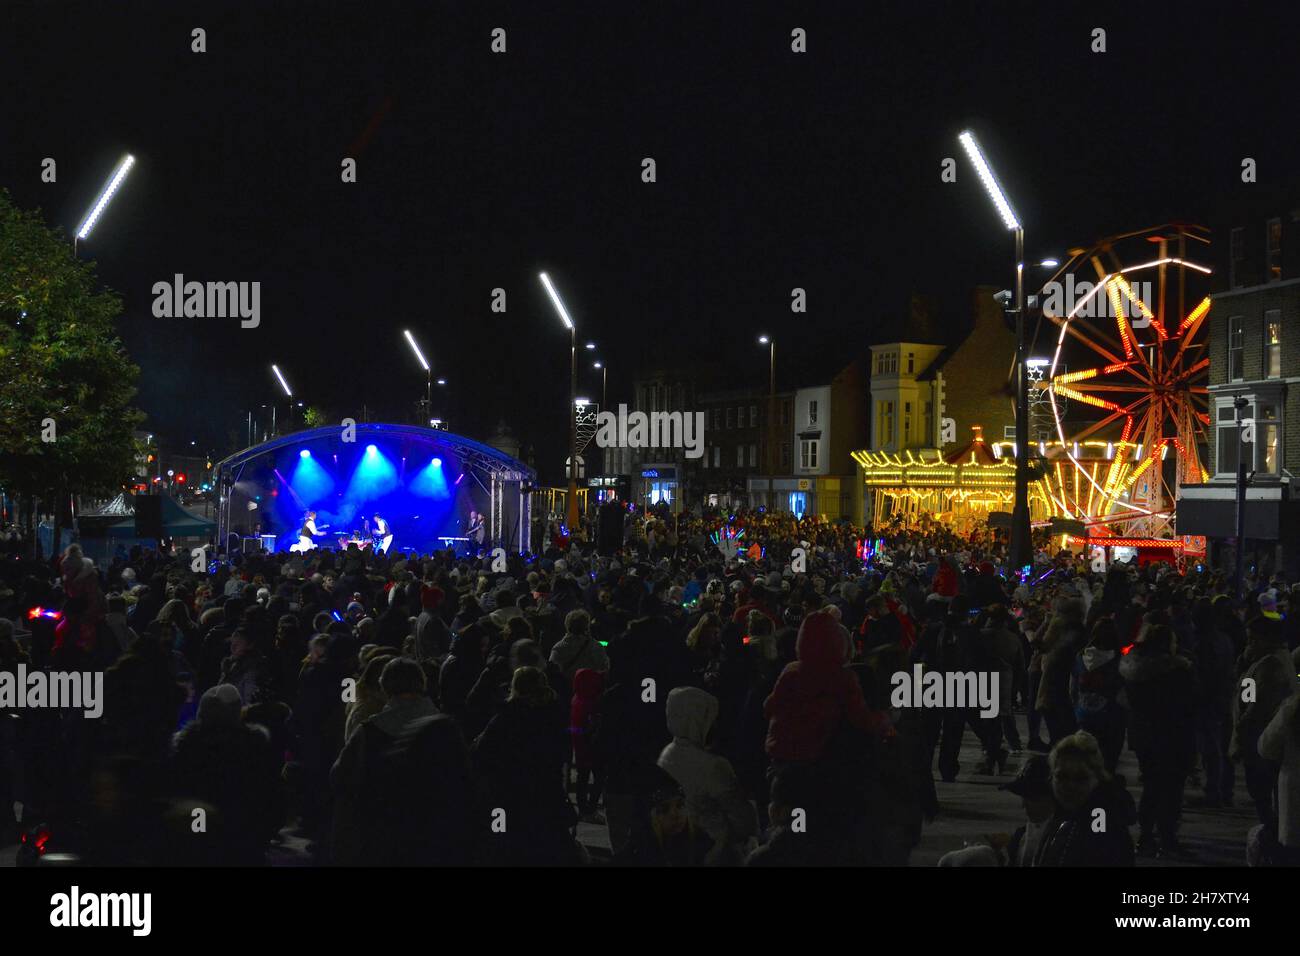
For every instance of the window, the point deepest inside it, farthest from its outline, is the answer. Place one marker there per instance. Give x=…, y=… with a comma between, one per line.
x=1236, y=348
x=911, y=363
x=731, y=417
x=812, y=413
x=1273, y=343
x=1267, y=434
x=1227, y=441
x=1265, y=456
x=705, y=463
x=884, y=423
x=785, y=456
x=753, y=416
x=1237, y=254
x=717, y=414
x=1273, y=261
x=717, y=456
x=753, y=456
x=886, y=363
x=740, y=456
x=907, y=423
x=808, y=453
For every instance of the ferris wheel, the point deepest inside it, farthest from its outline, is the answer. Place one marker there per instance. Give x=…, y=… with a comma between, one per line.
x=1130, y=359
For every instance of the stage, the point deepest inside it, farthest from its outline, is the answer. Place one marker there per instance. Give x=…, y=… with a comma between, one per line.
x=422, y=481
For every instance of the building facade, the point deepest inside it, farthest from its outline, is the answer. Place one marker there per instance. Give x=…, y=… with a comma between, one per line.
x=1254, y=393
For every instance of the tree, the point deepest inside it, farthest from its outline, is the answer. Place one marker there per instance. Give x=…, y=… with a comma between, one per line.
x=315, y=417
x=66, y=383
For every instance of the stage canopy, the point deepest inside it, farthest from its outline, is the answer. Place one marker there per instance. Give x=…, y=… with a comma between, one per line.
x=423, y=481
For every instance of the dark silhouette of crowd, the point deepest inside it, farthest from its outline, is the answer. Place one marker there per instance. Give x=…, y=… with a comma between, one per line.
x=718, y=690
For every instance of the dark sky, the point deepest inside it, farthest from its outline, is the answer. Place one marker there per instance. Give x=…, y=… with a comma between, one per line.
x=476, y=170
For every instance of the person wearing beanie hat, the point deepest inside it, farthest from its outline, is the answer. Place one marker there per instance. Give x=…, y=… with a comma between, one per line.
x=219, y=707
x=1268, y=606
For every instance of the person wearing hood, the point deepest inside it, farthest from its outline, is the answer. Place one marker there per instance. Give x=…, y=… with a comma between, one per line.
x=1266, y=676
x=1160, y=686
x=815, y=695
x=715, y=803
x=1095, y=687
x=1081, y=787
x=219, y=761
x=1280, y=743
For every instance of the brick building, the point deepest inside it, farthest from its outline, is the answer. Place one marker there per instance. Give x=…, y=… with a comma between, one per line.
x=1254, y=349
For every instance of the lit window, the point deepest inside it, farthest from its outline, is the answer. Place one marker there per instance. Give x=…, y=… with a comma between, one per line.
x=1273, y=344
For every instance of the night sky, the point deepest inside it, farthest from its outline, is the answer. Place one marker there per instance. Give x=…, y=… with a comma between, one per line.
x=476, y=170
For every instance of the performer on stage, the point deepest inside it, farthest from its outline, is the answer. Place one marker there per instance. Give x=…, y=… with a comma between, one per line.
x=307, y=533
x=382, y=533
x=475, y=533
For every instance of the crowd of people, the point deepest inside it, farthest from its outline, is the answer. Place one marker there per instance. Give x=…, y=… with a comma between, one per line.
x=716, y=690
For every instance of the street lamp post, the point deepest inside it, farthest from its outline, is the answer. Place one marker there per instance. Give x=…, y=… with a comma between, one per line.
x=571, y=516
x=288, y=392
x=428, y=372
x=1021, y=543
x=97, y=210
x=771, y=401
x=1241, y=403
x=604, y=382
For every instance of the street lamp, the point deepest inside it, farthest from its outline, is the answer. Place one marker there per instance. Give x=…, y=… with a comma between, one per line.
x=287, y=391
x=604, y=381
x=97, y=210
x=771, y=400
x=1021, y=544
x=1240, y=403
x=571, y=517
x=428, y=372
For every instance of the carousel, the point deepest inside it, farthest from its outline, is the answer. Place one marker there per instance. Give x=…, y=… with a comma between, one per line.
x=958, y=490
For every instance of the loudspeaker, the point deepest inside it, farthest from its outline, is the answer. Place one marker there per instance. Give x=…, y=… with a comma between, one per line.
x=148, y=517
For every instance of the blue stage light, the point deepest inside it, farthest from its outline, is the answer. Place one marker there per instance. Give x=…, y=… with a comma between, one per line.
x=304, y=453
x=437, y=463
x=371, y=450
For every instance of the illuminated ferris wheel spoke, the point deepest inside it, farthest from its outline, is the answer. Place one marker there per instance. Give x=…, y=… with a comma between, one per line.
x=1158, y=362
x=1072, y=329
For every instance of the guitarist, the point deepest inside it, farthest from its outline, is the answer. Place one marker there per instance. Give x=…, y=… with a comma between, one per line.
x=308, y=533
x=383, y=535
